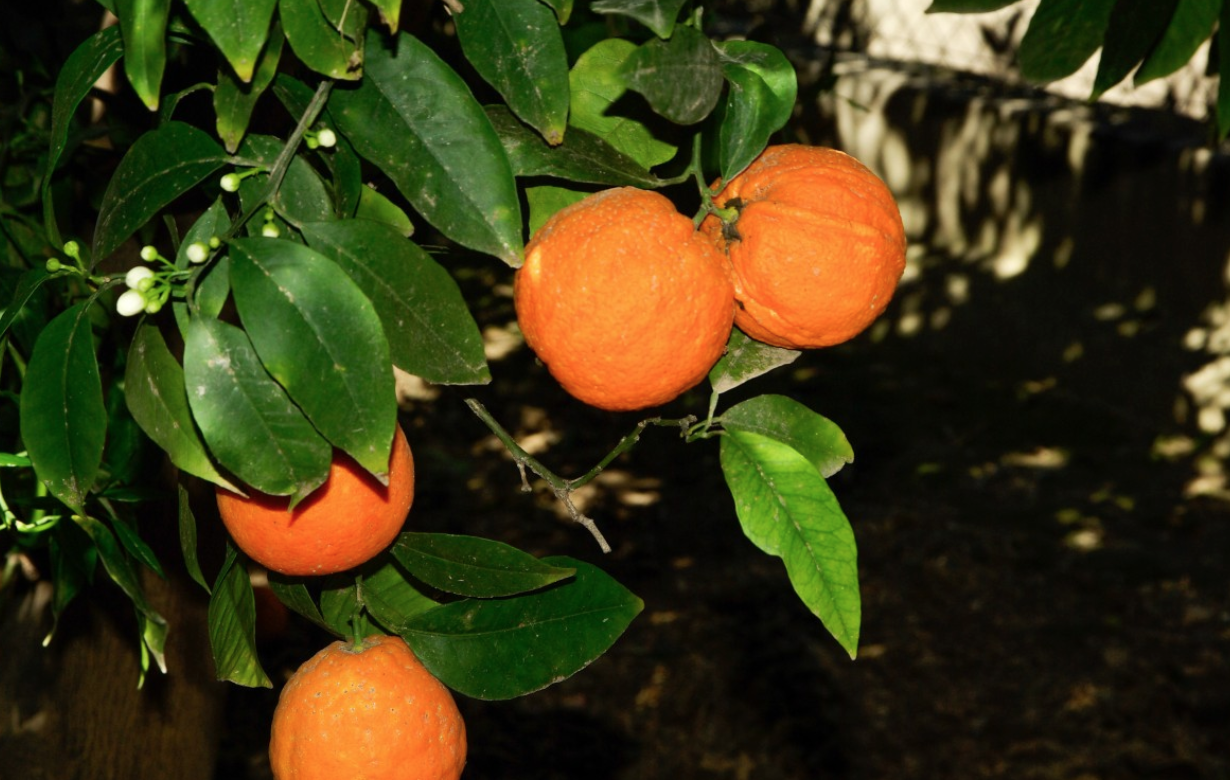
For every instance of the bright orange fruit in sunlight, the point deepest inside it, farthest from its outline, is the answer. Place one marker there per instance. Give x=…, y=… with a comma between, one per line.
x=343, y=523
x=626, y=304
x=369, y=712
x=817, y=246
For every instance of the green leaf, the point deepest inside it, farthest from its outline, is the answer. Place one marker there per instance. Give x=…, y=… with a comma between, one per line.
x=390, y=598
x=745, y=359
x=786, y=420
x=303, y=195
x=232, y=626
x=1062, y=36
x=415, y=119
x=968, y=6
x=1223, y=73
x=154, y=387
x=390, y=13
x=545, y=201
x=187, y=537
x=582, y=157
x=787, y=510
x=1133, y=30
x=137, y=547
x=317, y=43
x=63, y=419
x=73, y=561
x=503, y=648
x=249, y=424
x=377, y=208
x=77, y=77
x=296, y=596
x=1189, y=27
x=236, y=97
x=597, y=84
x=341, y=609
x=238, y=28
x=657, y=15
x=562, y=9
x=27, y=285
x=473, y=566
x=516, y=47
x=763, y=90
x=162, y=165
x=119, y=567
x=319, y=336
x=430, y=331
x=681, y=78
x=143, y=25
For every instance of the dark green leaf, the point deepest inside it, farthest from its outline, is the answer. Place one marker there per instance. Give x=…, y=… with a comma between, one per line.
x=681, y=78
x=319, y=336
x=187, y=538
x=238, y=28
x=516, y=46
x=119, y=567
x=232, y=627
x=1133, y=30
x=760, y=101
x=562, y=8
x=787, y=510
x=137, y=548
x=786, y=420
x=314, y=40
x=249, y=424
x=77, y=77
x=234, y=99
x=596, y=83
x=473, y=566
x=416, y=120
x=503, y=648
x=390, y=13
x=341, y=609
x=63, y=419
x=303, y=195
x=375, y=207
x=27, y=285
x=162, y=165
x=745, y=359
x=658, y=15
x=143, y=25
x=390, y=598
x=582, y=157
x=430, y=331
x=968, y=6
x=154, y=383
x=1190, y=26
x=73, y=561
x=296, y=596
x=1062, y=36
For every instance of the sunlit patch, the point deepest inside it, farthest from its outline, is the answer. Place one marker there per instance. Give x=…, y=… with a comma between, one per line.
x=1039, y=458
x=500, y=342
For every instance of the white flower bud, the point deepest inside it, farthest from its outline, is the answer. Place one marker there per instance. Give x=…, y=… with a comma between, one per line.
x=270, y=230
x=197, y=252
x=230, y=182
x=137, y=275
x=148, y=253
x=131, y=303
x=327, y=138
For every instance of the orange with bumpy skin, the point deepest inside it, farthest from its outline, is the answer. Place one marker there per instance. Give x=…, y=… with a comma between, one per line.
x=817, y=246
x=621, y=298
x=367, y=712
x=343, y=523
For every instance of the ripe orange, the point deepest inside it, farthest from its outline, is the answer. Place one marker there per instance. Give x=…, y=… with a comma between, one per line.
x=621, y=298
x=817, y=246
x=371, y=712
x=345, y=522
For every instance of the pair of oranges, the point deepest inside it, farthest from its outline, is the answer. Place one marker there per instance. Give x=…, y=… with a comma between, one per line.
x=629, y=305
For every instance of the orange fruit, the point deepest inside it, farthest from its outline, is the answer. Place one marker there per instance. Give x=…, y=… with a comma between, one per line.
x=626, y=304
x=816, y=247
x=343, y=523
x=367, y=712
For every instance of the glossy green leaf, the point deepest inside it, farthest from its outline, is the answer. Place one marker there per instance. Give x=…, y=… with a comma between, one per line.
x=562, y=9
x=681, y=78
x=517, y=48
x=292, y=592
x=349, y=191
x=745, y=359
x=968, y=6
x=232, y=626
x=597, y=84
x=80, y=72
x=389, y=596
x=27, y=285
x=1190, y=26
x=211, y=287
x=251, y=427
x=375, y=207
x=341, y=609
x=317, y=43
x=303, y=195
x=545, y=201
x=414, y=118
x=582, y=157
x=430, y=330
x=503, y=648
x=760, y=100
x=786, y=420
x=162, y=165
x=235, y=98
x=119, y=568
x=188, y=537
x=63, y=419
x=389, y=12
x=473, y=566
x=787, y=510
x=1134, y=29
x=238, y=28
x=1062, y=36
x=658, y=15
x=154, y=388
x=319, y=336
x=137, y=548
x=143, y=26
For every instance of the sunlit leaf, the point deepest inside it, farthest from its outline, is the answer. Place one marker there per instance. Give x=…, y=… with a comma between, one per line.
x=658, y=15
x=63, y=419
x=232, y=627
x=787, y=510
x=319, y=336
x=377, y=208
x=238, y=28
x=760, y=100
x=390, y=13
x=545, y=201
x=597, y=84
x=503, y=648
x=681, y=78
x=474, y=566
x=143, y=25
x=235, y=99
x=786, y=420
x=562, y=8
x=745, y=359
x=292, y=592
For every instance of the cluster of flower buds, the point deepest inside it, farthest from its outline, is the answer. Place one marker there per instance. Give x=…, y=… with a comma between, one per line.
x=149, y=289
